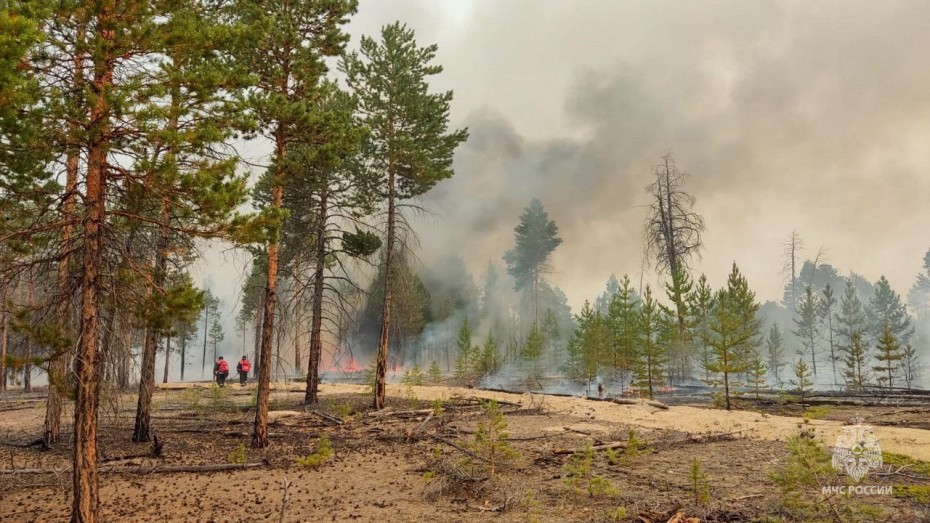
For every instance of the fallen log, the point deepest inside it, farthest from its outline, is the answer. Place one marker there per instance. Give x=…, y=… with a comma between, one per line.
x=584, y=432
x=20, y=407
x=420, y=426
x=605, y=446
x=332, y=419
x=221, y=467
x=629, y=401
x=459, y=448
x=399, y=413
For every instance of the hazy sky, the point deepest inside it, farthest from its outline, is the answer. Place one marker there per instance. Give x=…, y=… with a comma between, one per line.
x=801, y=116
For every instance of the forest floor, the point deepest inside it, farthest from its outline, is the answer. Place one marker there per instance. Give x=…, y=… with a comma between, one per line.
x=415, y=462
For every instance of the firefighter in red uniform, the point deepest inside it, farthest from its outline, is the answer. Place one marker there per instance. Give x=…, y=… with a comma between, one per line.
x=243, y=369
x=221, y=371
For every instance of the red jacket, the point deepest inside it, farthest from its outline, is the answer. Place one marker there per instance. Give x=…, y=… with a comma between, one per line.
x=222, y=367
x=245, y=365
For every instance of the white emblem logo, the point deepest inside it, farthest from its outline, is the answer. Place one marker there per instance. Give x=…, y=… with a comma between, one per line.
x=857, y=451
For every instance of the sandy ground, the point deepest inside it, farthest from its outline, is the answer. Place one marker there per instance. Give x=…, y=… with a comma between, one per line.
x=379, y=476
x=910, y=442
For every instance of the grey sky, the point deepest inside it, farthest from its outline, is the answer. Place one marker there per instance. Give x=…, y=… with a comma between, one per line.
x=788, y=115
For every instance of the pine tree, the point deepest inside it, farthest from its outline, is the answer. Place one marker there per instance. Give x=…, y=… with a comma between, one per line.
x=602, y=303
x=409, y=147
x=535, y=238
x=910, y=365
x=434, y=373
x=650, y=355
x=489, y=358
x=806, y=326
x=124, y=59
x=216, y=337
x=551, y=334
x=825, y=310
x=802, y=379
x=679, y=338
x=757, y=370
x=855, y=360
x=733, y=329
x=284, y=45
x=886, y=310
x=328, y=192
x=532, y=348
x=623, y=321
x=888, y=355
x=211, y=310
x=589, y=346
x=464, y=355
x=851, y=321
x=775, y=352
x=701, y=306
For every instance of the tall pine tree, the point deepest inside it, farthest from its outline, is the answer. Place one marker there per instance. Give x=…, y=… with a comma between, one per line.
x=409, y=148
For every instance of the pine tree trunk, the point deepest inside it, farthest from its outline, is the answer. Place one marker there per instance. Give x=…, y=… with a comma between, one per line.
x=380, y=384
x=125, y=359
x=143, y=426
x=257, y=329
x=167, y=357
x=27, y=368
x=85, y=500
x=183, y=354
x=316, y=322
x=260, y=429
x=206, y=317
x=3, y=339
x=298, y=308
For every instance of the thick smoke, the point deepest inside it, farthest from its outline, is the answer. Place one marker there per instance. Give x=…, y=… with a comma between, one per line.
x=788, y=116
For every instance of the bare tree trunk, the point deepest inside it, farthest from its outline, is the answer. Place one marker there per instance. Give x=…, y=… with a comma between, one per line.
x=260, y=429
x=183, y=354
x=125, y=359
x=257, y=329
x=143, y=425
x=298, y=308
x=316, y=322
x=27, y=368
x=167, y=357
x=380, y=384
x=206, y=326
x=279, y=340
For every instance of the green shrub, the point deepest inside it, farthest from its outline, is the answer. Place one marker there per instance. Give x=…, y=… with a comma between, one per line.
x=635, y=445
x=580, y=477
x=320, y=455
x=919, y=494
x=818, y=412
x=911, y=464
x=238, y=456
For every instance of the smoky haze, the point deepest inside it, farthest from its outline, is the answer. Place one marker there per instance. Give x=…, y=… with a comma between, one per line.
x=789, y=116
